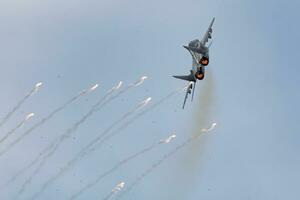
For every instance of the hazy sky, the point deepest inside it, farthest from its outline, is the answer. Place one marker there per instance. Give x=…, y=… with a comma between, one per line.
x=250, y=90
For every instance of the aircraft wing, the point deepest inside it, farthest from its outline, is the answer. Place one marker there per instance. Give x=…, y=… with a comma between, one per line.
x=194, y=57
x=208, y=33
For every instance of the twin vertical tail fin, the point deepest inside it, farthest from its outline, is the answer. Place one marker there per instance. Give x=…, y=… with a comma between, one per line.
x=191, y=86
x=193, y=91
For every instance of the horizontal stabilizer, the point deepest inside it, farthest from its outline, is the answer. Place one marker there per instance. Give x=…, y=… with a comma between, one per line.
x=190, y=77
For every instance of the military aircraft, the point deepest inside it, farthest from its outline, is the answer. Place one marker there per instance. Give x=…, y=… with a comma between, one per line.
x=200, y=55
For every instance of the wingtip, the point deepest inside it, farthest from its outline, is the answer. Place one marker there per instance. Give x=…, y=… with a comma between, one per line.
x=213, y=20
x=176, y=76
x=186, y=47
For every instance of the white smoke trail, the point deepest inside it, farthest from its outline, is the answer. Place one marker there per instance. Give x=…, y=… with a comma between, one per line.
x=44, y=120
x=20, y=173
x=120, y=164
x=73, y=161
x=97, y=142
x=160, y=161
x=51, y=149
x=29, y=180
x=12, y=131
x=130, y=86
x=98, y=106
x=20, y=103
x=116, y=189
x=41, y=122
x=89, y=148
x=139, y=115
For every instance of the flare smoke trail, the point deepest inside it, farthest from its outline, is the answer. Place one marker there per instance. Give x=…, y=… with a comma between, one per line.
x=120, y=164
x=44, y=120
x=28, y=117
x=31, y=92
x=50, y=149
x=116, y=189
x=71, y=163
x=98, y=106
x=89, y=148
x=160, y=161
x=139, y=115
x=29, y=180
x=107, y=97
x=41, y=122
x=20, y=173
x=106, y=136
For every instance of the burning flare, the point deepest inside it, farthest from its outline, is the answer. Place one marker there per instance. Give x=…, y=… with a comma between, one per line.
x=29, y=116
x=118, y=187
x=94, y=87
x=146, y=101
x=37, y=86
x=141, y=80
x=213, y=125
x=118, y=86
x=168, y=140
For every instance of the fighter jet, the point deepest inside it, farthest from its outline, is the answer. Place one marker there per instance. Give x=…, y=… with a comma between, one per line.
x=200, y=56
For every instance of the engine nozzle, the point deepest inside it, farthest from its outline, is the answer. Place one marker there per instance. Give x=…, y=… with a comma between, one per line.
x=204, y=61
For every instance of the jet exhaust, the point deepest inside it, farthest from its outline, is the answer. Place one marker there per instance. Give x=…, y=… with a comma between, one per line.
x=204, y=61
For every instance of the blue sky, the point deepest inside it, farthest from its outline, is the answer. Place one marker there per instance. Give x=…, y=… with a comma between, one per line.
x=250, y=90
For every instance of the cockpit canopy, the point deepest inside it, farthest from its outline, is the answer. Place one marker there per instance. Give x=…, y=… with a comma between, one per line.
x=195, y=43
